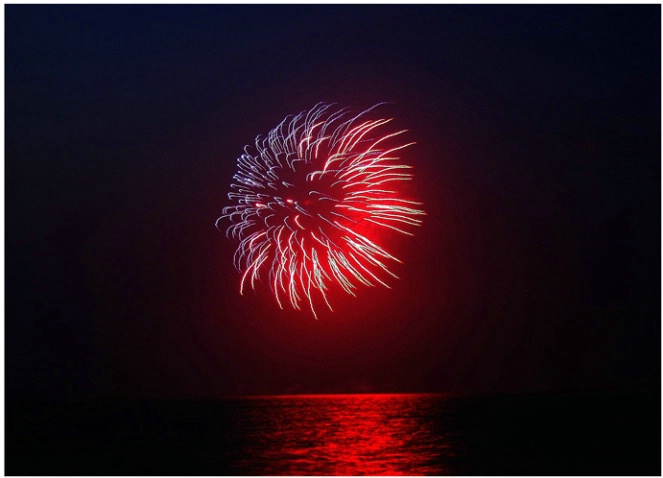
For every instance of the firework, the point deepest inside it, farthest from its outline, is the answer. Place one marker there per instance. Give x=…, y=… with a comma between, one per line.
x=311, y=201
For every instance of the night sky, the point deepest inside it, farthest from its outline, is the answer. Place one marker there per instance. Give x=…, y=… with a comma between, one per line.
x=537, y=158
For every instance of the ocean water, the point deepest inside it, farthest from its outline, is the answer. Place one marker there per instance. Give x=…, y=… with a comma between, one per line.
x=347, y=435
x=332, y=435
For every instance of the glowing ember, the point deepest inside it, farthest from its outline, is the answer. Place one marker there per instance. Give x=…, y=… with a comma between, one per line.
x=311, y=202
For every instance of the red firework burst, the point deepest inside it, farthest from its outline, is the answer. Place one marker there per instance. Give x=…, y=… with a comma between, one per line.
x=303, y=198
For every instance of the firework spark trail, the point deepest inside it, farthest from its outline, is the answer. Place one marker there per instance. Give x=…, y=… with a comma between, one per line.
x=303, y=198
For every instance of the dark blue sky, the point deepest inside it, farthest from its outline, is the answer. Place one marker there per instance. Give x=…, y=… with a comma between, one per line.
x=538, y=158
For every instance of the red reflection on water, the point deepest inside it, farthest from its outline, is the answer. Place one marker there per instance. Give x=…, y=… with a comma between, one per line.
x=348, y=435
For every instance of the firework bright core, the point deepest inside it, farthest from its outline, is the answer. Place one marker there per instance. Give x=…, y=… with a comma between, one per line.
x=311, y=201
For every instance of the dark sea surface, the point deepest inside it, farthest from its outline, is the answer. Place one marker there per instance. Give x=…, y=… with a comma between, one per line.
x=404, y=434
